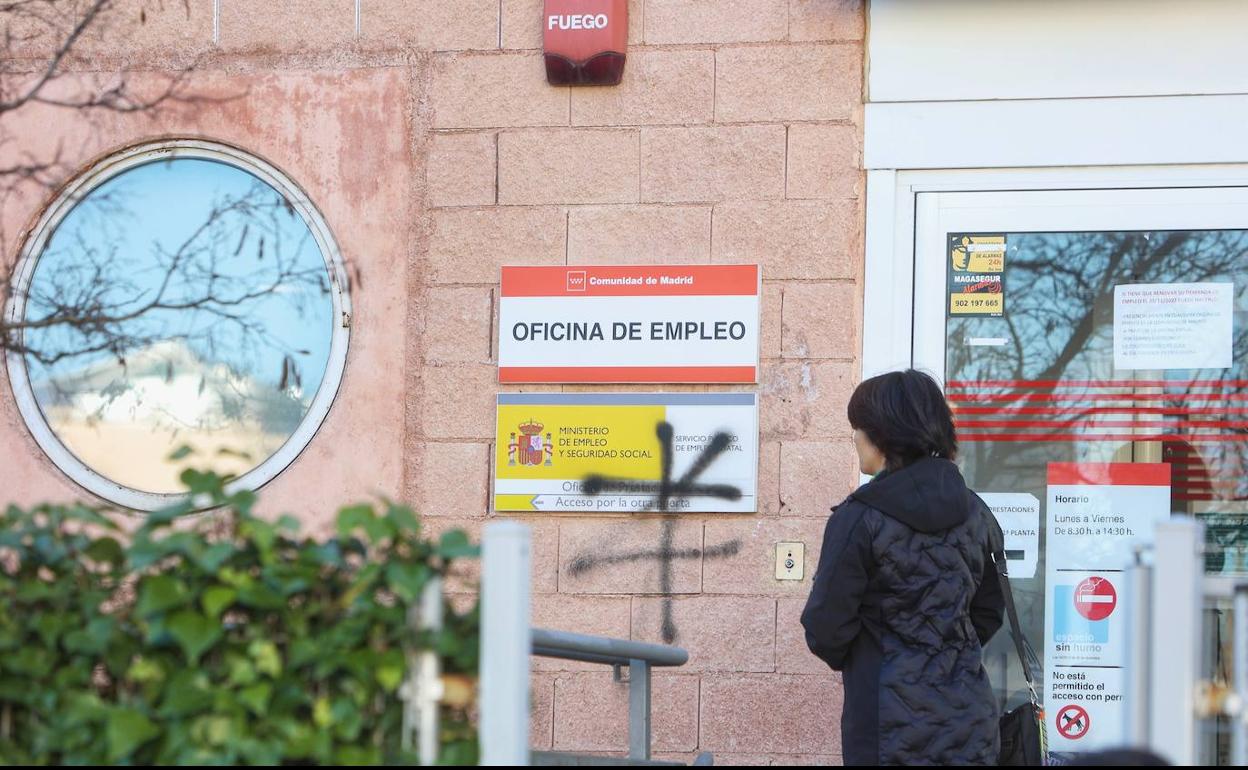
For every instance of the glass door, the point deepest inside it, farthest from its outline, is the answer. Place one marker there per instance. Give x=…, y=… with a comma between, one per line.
x=1094, y=347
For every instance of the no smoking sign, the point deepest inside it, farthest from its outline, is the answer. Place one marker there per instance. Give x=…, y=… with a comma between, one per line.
x=1095, y=598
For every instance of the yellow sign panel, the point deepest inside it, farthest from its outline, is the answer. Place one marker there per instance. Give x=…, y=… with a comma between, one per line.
x=977, y=274
x=549, y=445
x=562, y=442
x=976, y=304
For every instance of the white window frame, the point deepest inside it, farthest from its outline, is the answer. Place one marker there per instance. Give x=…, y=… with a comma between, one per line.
x=892, y=196
x=1022, y=144
x=112, y=166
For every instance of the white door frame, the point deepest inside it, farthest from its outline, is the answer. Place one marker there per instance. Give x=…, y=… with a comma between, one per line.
x=896, y=215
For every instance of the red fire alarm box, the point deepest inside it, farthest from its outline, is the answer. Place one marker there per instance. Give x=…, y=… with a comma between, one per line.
x=585, y=41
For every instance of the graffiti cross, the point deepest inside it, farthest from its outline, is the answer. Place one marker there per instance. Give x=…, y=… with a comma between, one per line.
x=666, y=493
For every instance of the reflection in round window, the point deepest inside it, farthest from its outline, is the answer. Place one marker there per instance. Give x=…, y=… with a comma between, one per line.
x=179, y=299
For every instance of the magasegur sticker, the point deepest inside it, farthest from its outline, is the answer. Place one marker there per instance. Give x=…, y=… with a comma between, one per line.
x=976, y=275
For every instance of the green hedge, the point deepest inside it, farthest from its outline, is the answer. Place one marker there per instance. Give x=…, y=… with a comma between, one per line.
x=221, y=638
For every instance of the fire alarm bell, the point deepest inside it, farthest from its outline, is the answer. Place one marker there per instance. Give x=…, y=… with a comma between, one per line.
x=585, y=41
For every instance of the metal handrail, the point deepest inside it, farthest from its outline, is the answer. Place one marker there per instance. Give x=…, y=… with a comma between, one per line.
x=508, y=639
x=602, y=649
x=1168, y=691
x=639, y=657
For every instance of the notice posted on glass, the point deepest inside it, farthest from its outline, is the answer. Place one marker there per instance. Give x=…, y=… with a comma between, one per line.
x=1018, y=513
x=1096, y=515
x=1173, y=325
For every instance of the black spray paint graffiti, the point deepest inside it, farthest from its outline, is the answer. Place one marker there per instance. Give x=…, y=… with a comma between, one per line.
x=667, y=493
x=665, y=490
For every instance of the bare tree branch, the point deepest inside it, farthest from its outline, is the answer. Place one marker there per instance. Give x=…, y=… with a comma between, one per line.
x=53, y=65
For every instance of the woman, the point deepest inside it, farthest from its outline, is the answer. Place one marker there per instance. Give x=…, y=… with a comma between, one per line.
x=906, y=593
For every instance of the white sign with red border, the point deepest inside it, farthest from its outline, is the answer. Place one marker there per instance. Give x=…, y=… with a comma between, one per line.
x=1096, y=515
x=629, y=324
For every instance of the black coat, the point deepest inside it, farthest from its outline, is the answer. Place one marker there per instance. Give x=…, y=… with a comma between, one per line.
x=903, y=600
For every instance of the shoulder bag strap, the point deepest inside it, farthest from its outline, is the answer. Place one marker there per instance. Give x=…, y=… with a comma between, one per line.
x=1020, y=642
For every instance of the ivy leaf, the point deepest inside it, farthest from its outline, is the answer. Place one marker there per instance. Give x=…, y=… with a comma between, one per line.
x=403, y=518
x=379, y=529
x=147, y=551
x=363, y=582
x=144, y=552
x=194, y=633
x=33, y=661
x=90, y=516
x=50, y=546
x=262, y=533
x=165, y=516
x=51, y=627
x=211, y=559
x=242, y=501
x=266, y=657
x=159, y=593
x=84, y=708
x=406, y=580
x=354, y=517
x=263, y=753
x=363, y=517
x=236, y=578
x=216, y=599
x=300, y=740
x=256, y=697
x=203, y=483
x=390, y=669
x=455, y=544
x=145, y=670
x=34, y=590
x=213, y=730
x=303, y=651
x=329, y=554
x=347, y=719
x=242, y=672
x=322, y=714
x=358, y=756
x=187, y=692
x=360, y=663
x=261, y=597
x=464, y=753
x=106, y=550
x=127, y=730
x=93, y=639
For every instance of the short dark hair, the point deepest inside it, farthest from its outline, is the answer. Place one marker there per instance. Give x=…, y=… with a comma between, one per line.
x=906, y=416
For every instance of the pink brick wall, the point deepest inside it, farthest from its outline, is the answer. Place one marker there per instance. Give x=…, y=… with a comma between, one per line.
x=427, y=133
x=735, y=137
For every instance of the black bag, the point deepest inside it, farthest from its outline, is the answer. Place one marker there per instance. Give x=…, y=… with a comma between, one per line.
x=1023, y=737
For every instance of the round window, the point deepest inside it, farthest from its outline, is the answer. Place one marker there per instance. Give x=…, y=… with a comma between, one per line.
x=181, y=294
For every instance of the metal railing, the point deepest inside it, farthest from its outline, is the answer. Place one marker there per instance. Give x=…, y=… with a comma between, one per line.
x=506, y=644
x=638, y=657
x=508, y=640
x=1168, y=695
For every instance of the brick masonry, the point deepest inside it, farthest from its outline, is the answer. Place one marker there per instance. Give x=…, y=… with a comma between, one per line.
x=735, y=137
